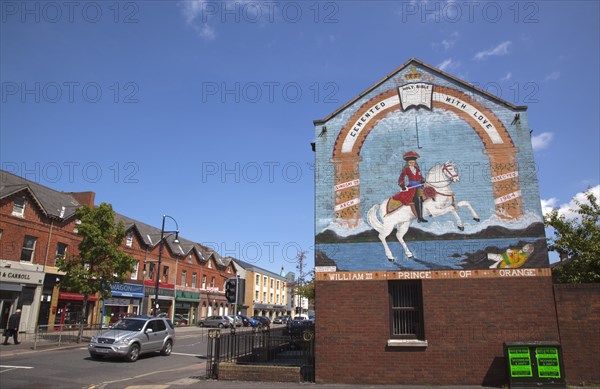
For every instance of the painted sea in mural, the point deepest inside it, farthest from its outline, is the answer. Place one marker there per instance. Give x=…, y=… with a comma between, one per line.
x=482, y=245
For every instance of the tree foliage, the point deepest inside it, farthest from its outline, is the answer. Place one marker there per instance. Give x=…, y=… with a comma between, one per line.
x=308, y=291
x=100, y=260
x=579, y=240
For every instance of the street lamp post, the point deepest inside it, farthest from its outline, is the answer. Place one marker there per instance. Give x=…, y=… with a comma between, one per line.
x=160, y=249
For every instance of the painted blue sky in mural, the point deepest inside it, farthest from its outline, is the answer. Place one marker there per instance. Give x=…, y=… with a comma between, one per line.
x=203, y=110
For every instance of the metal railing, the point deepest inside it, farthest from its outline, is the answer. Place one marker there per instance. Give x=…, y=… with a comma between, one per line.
x=53, y=335
x=273, y=347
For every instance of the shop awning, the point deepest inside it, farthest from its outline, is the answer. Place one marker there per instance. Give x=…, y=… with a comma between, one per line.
x=74, y=296
x=187, y=299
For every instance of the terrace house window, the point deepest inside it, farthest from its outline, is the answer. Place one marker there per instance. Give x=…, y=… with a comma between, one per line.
x=19, y=207
x=204, y=282
x=406, y=313
x=61, y=250
x=28, y=251
x=129, y=241
x=194, y=276
x=183, y=278
x=134, y=273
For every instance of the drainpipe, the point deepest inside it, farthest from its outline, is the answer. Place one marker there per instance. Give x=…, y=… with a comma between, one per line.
x=48, y=245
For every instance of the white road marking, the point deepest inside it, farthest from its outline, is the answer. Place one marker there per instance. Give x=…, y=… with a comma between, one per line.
x=189, y=355
x=5, y=368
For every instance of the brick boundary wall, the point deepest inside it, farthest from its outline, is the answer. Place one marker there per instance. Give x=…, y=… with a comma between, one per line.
x=578, y=310
x=466, y=324
x=234, y=372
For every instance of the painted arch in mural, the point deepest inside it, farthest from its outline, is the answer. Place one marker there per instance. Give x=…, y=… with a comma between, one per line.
x=496, y=140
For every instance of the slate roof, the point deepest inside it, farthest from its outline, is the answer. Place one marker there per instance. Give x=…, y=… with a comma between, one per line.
x=50, y=201
x=252, y=267
x=433, y=69
x=151, y=236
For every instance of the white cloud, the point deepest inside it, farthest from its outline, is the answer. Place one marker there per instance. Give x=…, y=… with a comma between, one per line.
x=549, y=205
x=450, y=41
x=542, y=140
x=501, y=49
x=507, y=77
x=555, y=75
x=568, y=210
x=192, y=9
x=195, y=17
x=448, y=64
x=207, y=32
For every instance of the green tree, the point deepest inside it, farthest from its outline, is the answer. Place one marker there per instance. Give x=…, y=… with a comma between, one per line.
x=308, y=291
x=578, y=239
x=100, y=260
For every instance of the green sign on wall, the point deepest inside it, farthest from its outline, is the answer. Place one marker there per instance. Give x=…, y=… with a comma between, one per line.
x=547, y=361
x=519, y=361
x=534, y=364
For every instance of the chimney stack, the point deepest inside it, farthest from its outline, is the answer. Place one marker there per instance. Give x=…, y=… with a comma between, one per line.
x=84, y=198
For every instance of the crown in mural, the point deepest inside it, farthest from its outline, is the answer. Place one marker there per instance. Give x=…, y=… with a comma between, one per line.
x=413, y=75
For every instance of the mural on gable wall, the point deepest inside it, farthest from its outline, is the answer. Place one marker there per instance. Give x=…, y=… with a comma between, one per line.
x=426, y=173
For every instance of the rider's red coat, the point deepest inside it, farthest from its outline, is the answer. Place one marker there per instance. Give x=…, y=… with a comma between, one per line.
x=406, y=197
x=411, y=177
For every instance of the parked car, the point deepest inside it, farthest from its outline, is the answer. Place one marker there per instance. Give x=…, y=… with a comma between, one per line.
x=299, y=329
x=180, y=320
x=248, y=321
x=238, y=321
x=264, y=321
x=132, y=336
x=215, y=321
x=281, y=319
x=117, y=317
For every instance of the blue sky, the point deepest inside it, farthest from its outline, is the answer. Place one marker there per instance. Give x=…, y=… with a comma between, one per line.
x=203, y=110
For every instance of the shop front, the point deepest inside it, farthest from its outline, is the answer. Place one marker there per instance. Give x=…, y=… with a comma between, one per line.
x=213, y=302
x=269, y=310
x=20, y=287
x=126, y=299
x=186, y=305
x=166, y=297
x=69, y=309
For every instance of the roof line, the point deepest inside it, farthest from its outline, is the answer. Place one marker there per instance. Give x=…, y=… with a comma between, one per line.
x=27, y=188
x=390, y=75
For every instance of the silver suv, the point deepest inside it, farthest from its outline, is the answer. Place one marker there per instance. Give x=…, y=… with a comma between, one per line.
x=132, y=336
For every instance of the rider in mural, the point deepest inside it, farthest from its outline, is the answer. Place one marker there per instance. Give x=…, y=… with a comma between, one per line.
x=415, y=180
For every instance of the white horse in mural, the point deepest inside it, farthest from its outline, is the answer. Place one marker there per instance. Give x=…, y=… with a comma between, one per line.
x=439, y=178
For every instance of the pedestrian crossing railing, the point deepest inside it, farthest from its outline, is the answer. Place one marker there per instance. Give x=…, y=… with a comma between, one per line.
x=272, y=347
x=60, y=334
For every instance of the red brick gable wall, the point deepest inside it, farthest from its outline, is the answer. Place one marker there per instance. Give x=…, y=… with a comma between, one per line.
x=466, y=323
x=34, y=223
x=578, y=308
